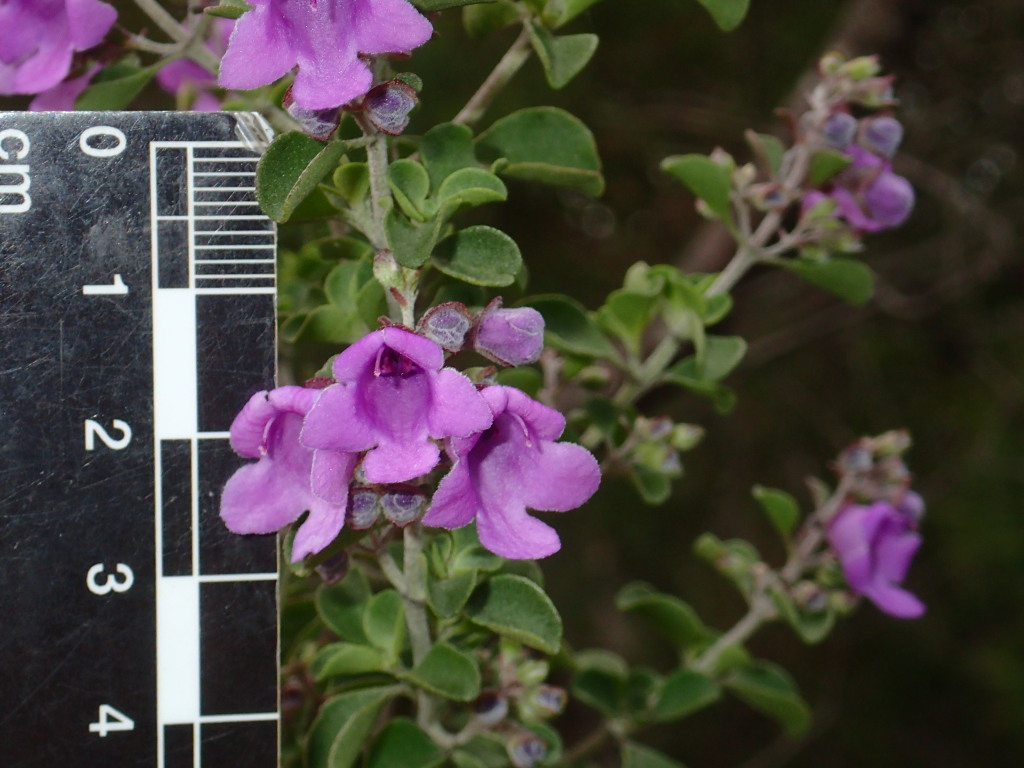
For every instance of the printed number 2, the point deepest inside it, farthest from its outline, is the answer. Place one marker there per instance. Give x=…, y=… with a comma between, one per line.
x=111, y=583
x=94, y=429
x=110, y=720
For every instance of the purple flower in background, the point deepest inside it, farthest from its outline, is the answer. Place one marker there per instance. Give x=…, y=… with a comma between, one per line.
x=39, y=37
x=185, y=74
x=289, y=478
x=875, y=544
x=868, y=195
x=511, y=466
x=324, y=39
x=509, y=336
x=882, y=135
x=391, y=398
x=62, y=97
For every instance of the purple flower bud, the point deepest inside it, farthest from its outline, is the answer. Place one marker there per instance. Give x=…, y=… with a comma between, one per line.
x=882, y=135
x=490, y=708
x=447, y=324
x=839, y=130
x=875, y=545
x=550, y=699
x=509, y=336
x=319, y=124
x=889, y=200
x=403, y=504
x=363, y=509
x=388, y=106
x=526, y=750
x=912, y=505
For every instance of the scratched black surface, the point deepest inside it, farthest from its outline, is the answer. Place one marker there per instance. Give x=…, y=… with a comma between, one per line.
x=65, y=358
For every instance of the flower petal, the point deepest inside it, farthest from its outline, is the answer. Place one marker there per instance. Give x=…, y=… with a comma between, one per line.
x=88, y=22
x=566, y=476
x=258, y=498
x=895, y=601
x=324, y=523
x=427, y=354
x=546, y=423
x=260, y=49
x=331, y=474
x=355, y=359
x=397, y=462
x=455, y=502
x=851, y=535
x=336, y=422
x=893, y=555
x=456, y=408
x=248, y=430
x=507, y=530
x=389, y=26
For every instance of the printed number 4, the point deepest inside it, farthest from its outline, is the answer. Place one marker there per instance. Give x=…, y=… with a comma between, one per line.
x=110, y=720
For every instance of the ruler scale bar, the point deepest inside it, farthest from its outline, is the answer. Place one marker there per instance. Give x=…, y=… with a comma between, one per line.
x=152, y=641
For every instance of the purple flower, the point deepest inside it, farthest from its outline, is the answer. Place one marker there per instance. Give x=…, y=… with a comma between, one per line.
x=875, y=544
x=839, y=130
x=289, y=478
x=868, y=195
x=509, y=336
x=391, y=398
x=39, y=37
x=511, y=466
x=62, y=97
x=185, y=74
x=324, y=39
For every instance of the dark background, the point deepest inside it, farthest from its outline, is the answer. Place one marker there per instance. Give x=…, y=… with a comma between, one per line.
x=939, y=351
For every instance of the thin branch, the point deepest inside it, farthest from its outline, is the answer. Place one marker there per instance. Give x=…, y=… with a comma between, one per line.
x=500, y=76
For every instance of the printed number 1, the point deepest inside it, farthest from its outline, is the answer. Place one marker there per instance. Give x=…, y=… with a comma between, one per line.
x=110, y=720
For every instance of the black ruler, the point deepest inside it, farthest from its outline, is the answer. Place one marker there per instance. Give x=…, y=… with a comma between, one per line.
x=137, y=291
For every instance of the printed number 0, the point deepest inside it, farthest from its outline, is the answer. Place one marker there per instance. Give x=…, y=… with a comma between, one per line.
x=110, y=720
x=94, y=429
x=111, y=583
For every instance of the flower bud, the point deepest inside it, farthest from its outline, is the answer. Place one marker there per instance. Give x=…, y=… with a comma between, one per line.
x=490, y=708
x=550, y=699
x=526, y=750
x=882, y=135
x=388, y=106
x=912, y=505
x=839, y=130
x=889, y=200
x=363, y=509
x=333, y=569
x=447, y=324
x=862, y=67
x=319, y=124
x=509, y=336
x=403, y=504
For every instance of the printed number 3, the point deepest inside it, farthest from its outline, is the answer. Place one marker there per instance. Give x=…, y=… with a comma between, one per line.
x=111, y=583
x=110, y=720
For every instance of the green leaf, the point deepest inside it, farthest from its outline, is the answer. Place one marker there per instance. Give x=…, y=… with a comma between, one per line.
x=654, y=486
x=770, y=148
x=479, y=255
x=670, y=615
x=229, y=9
x=727, y=13
x=384, y=622
x=341, y=606
x=568, y=327
x=721, y=355
x=548, y=145
x=337, y=735
x=683, y=693
x=638, y=756
x=780, y=507
x=733, y=558
x=515, y=607
x=812, y=626
x=445, y=149
x=352, y=180
x=562, y=56
x=115, y=92
x=825, y=164
x=626, y=314
x=560, y=12
x=403, y=744
x=601, y=689
x=355, y=301
x=706, y=179
x=470, y=187
x=448, y=672
x=346, y=659
x=769, y=689
x=291, y=169
x=411, y=242
x=483, y=20
x=448, y=596
x=851, y=280
x=429, y=6
x=410, y=184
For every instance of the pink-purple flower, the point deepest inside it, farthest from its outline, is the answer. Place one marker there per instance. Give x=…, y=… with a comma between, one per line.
x=289, y=478
x=39, y=37
x=513, y=465
x=324, y=39
x=185, y=75
x=392, y=398
x=875, y=544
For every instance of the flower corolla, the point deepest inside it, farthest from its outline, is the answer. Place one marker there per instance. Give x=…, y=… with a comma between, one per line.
x=875, y=544
x=392, y=396
x=39, y=37
x=324, y=39
x=289, y=478
x=513, y=465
